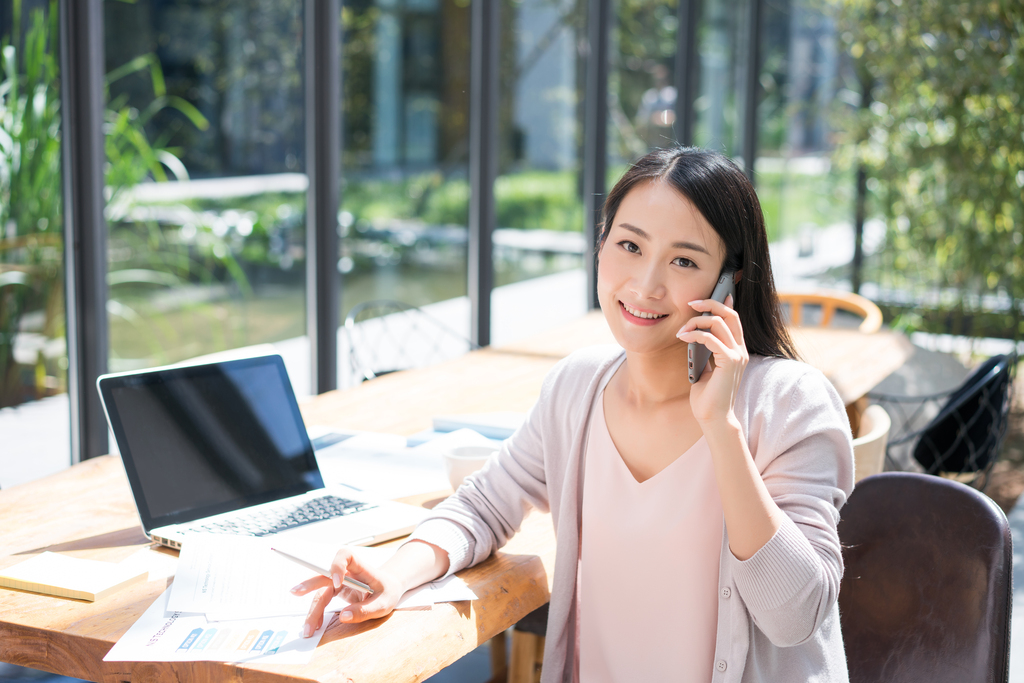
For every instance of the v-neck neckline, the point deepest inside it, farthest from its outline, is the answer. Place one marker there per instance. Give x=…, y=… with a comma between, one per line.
x=606, y=434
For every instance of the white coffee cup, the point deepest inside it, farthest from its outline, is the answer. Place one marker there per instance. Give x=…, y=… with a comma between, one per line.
x=462, y=461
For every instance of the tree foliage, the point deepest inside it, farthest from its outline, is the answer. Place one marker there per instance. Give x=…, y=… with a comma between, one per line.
x=942, y=139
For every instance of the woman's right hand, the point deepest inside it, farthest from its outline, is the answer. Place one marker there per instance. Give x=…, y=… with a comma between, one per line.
x=387, y=591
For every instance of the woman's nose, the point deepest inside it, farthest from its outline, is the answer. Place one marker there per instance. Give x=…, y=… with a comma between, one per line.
x=648, y=284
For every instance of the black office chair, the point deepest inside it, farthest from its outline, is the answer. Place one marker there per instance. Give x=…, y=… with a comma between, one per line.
x=927, y=590
x=965, y=433
x=386, y=336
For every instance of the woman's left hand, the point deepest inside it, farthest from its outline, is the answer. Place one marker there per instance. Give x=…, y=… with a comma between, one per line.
x=713, y=396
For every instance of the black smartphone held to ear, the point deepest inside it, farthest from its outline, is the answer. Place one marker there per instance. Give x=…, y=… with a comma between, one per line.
x=697, y=354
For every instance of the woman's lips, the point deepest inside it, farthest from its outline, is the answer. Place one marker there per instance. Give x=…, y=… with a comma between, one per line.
x=636, y=319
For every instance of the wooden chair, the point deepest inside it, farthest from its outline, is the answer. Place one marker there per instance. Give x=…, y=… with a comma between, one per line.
x=818, y=309
x=869, y=446
x=927, y=590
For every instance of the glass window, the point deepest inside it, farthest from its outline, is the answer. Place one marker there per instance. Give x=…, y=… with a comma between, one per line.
x=800, y=190
x=205, y=180
x=721, y=54
x=641, y=88
x=34, y=410
x=405, y=157
x=539, y=204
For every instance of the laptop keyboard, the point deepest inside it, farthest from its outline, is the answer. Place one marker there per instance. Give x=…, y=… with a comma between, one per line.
x=275, y=519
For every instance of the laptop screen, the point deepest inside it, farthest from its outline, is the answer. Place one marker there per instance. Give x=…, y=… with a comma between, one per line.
x=201, y=440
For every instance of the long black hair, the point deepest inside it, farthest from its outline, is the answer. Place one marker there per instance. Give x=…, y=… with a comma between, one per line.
x=725, y=197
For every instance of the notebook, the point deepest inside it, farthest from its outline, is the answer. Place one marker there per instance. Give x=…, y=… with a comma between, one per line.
x=70, y=577
x=221, y=447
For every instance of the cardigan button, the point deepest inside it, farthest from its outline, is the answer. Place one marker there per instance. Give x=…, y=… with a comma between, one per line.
x=726, y=592
x=720, y=665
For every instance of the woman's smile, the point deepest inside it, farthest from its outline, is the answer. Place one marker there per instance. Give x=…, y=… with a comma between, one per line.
x=640, y=316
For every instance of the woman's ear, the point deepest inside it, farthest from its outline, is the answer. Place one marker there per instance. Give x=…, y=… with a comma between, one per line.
x=737, y=277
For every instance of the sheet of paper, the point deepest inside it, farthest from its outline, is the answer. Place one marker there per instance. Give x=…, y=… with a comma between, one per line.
x=500, y=425
x=235, y=577
x=216, y=578
x=383, y=467
x=160, y=565
x=160, y=635
x=445, y=441
x=450, y=589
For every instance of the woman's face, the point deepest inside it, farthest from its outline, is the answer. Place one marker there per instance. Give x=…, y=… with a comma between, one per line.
x=660, y=254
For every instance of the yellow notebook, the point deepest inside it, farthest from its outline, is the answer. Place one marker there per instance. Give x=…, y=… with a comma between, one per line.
x=70, y=577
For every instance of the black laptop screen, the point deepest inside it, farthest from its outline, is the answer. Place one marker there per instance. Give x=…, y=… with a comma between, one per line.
x=206, y=439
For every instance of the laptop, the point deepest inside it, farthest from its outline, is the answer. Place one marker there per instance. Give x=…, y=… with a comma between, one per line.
x=221, y=448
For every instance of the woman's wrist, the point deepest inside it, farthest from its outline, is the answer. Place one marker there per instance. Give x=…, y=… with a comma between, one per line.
x=724, y=426
x=416, y=563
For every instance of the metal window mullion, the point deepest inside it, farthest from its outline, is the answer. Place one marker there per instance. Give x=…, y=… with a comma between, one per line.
x=752, y=82
x=688, y=14
x=85, y=228
x=323, y=168
x=595, y=136
x=485, y=39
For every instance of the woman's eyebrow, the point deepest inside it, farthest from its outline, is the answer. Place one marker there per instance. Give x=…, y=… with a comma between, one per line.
x=675, y=245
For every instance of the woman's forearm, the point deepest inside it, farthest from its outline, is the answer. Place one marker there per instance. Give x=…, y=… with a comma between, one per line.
x=416, y=563
x=751, y=516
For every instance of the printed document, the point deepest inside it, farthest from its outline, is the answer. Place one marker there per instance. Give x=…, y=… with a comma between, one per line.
x=161, y=635
x=240, y=577
x=382, y=466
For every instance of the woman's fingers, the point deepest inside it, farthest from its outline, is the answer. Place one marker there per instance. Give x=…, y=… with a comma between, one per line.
x=372, y=607
x=346, y=563
x=713, y=342
x=712, y=324
x=362, y=605
x=315, y=617
x=724, y=311
x=310, y=585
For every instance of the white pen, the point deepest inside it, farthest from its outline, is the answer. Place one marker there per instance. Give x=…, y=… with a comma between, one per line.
x=325, y=572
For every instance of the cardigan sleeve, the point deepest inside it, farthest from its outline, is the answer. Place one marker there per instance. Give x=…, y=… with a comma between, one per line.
x=805, y=456
x=490, y=505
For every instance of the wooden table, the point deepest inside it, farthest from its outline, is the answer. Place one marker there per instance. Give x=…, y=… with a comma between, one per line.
x=87, y=511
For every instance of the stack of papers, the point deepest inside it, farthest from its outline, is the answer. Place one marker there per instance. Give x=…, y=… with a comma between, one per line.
x=383, y=466
x=392, y=466
x=231, y=601
x=498, y=426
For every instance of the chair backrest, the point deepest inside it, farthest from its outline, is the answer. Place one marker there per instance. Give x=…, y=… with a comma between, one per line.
x=966, y=434
x=385, y=336
x=799, y=305
x=927, y=591
x=869, y=446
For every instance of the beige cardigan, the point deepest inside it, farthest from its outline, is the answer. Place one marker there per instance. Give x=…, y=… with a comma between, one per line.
x=778, y=616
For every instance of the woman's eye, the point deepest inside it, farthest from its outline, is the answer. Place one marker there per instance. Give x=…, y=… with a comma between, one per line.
x=683, y=262
x=629, y=246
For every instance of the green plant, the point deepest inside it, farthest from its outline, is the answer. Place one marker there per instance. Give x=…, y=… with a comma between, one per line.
x=31, y=218
x=942, y=140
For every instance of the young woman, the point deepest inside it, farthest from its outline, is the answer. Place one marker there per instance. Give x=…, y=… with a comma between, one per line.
x=717, y=502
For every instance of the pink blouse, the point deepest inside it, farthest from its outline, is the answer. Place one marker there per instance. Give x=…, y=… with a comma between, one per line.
x=648, y=589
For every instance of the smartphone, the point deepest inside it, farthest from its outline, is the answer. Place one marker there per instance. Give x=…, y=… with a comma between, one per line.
x=697, y=354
